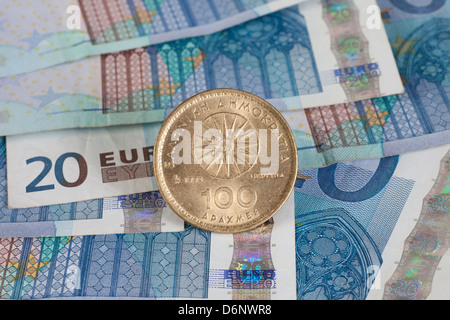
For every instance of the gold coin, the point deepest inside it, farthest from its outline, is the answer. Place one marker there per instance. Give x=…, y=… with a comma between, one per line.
x=225, y=160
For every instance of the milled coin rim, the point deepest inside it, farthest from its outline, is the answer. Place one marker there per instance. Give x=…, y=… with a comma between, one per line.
x=173, y=203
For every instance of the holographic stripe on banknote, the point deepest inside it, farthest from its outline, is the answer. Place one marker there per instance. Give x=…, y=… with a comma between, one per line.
x=344, y=216
x=251, y=274
x=357, y=75
x=426, y=244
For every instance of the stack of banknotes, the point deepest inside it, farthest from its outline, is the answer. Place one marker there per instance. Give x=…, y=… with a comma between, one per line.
x=86, y=84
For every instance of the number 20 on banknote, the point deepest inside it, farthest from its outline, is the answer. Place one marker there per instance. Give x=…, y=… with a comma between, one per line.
x=61, y=167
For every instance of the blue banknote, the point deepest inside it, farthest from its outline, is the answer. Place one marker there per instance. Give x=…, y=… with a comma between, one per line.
x=385, y=126
x=144, y=212
x=344, y=217
x=40, y=36
x=419, y=39
x=146, y=84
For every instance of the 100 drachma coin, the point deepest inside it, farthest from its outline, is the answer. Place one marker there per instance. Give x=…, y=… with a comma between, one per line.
x=225, y=160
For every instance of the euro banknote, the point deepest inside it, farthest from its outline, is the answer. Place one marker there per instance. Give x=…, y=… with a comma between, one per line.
x=348, y=220
x=133, y=213
x=130, y=213
x=345, y=217
x=385, y=126
x=308, y=55
x=34, y=37
x=417, y=259
x=195, y=264
x=110, y=161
